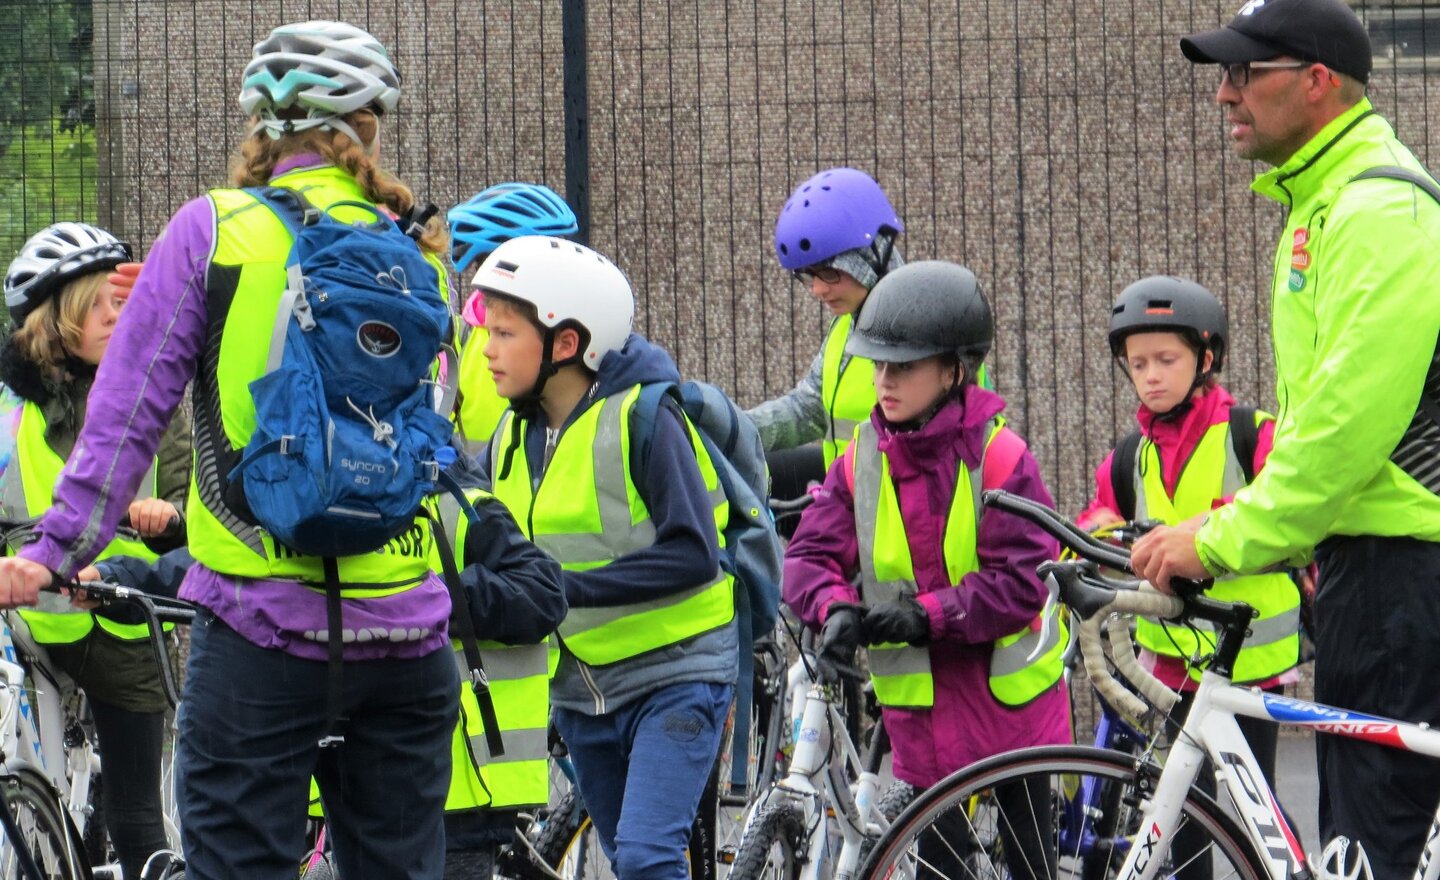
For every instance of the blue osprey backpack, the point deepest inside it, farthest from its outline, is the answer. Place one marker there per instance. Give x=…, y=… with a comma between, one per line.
x=350, y=431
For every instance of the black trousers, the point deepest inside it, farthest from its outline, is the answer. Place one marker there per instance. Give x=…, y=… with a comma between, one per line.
x=1377, y=651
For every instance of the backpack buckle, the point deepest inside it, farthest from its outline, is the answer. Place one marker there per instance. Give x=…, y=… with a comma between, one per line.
x=285, y=442
x=304, y=316
x=311, y=216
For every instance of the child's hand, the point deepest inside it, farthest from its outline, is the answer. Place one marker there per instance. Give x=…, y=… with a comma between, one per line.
x=151, y=516
x=899, y=621
x=121, y=280
x=78, y=598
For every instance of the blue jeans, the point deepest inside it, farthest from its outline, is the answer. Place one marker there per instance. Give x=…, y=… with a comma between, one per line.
x=641, y=770
x=249, y=732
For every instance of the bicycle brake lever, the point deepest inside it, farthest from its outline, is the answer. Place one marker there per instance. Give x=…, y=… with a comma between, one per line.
x=1047, y=616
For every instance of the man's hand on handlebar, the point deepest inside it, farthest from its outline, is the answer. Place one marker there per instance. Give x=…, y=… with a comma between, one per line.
x=1168, y=552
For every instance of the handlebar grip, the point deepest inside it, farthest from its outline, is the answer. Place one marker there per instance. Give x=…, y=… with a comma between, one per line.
x=1122, y=651
x=1101, y=679
x=1145, y=601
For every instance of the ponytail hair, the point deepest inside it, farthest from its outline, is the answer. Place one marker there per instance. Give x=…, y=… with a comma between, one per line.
x=254, y=164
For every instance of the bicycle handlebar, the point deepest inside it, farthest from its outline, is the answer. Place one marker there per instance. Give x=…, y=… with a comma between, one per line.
x=1094, y=597
x=156, y=610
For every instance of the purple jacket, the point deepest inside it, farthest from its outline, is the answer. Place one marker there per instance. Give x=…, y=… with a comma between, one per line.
x=966, y=723
x=152, y=356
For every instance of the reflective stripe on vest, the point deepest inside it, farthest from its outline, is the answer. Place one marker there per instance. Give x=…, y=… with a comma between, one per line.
x=1214, y=472
x=847, y=389
x=244, y=281
x=481, y=406
x=584, y=530
x=901, y=672
x=28, y=492
x=520, y=687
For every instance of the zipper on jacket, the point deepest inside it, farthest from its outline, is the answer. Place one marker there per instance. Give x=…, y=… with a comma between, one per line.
x=590, y=683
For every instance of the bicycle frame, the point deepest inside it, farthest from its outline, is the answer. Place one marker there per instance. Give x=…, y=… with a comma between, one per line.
x=26, y=727
x=1210, y=730
x=823, y=752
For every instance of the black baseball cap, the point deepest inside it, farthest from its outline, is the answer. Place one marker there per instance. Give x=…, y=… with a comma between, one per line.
x=1323, y=31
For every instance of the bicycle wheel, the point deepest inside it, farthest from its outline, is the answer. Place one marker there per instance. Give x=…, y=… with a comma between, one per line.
x=775, y=846
x=1020, y=815
x=570, y=845
x=43, y=829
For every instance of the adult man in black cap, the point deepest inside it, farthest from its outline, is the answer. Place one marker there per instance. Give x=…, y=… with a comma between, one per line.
x=1355, y=470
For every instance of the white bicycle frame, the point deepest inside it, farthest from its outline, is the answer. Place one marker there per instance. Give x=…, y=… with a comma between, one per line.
x=32, y=727
x=1210, y=730
x=817, y=781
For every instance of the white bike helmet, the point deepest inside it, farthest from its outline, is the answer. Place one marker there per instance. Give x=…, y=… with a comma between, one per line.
x=54, y=256
x=327, y=68
x=567, y=283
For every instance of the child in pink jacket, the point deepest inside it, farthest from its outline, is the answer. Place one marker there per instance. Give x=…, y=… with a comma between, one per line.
x=946, y=590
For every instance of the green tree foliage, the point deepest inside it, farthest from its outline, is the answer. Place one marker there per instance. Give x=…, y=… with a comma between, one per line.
x=47, y=116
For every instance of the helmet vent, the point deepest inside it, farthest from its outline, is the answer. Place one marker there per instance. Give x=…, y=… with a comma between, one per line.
x=505, y=267
x=804, y=244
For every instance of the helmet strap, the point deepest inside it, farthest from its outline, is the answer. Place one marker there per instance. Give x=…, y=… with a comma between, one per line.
x=882, y=248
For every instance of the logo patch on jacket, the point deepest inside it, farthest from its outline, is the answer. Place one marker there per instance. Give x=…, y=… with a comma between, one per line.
x=1299, y=259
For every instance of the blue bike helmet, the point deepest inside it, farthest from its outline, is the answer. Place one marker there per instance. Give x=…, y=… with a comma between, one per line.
x=503, y=212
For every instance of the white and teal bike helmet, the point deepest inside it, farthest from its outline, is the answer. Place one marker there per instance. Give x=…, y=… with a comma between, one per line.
x=53, y=257
x=326, y=68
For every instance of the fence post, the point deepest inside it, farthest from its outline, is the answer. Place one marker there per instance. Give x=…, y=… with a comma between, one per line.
x=109, y=127
x=577, y=116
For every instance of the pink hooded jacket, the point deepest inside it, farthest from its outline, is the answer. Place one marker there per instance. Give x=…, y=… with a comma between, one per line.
x=966, y=722
x=1176, y=442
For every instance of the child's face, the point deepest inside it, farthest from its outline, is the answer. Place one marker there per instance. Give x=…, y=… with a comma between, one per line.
x=100, y=323
x=1162, y=366
x=905, y=390
x=843, y=296
x=514, y=351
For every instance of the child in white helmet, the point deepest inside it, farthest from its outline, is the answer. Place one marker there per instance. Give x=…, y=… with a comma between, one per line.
x=648, y=649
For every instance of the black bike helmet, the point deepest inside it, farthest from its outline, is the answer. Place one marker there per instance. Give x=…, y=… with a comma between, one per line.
x=924, y=309
x=1167, y=303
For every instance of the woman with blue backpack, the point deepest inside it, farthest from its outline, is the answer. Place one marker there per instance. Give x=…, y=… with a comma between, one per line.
x=266, y=682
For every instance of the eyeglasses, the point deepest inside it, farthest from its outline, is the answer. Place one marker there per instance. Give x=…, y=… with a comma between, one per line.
x=827, y=274
x=1240, y=72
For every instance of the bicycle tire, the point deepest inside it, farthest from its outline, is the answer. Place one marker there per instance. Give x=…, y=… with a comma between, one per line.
x=47, y=834
x=570, y=846
x=1062, y=769
x=775, y=846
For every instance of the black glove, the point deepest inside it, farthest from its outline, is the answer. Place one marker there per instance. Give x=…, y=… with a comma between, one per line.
x=899, y=621
x=839, y=637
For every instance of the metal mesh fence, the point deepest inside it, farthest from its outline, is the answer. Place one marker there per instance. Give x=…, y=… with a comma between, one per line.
x=1060, y=148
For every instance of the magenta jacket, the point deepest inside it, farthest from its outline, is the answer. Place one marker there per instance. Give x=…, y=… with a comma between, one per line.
x=966, y=722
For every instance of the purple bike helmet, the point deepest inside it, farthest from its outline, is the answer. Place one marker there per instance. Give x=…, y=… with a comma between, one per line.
x=837, y=210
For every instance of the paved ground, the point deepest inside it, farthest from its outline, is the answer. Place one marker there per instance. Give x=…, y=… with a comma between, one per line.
x=1298, y=788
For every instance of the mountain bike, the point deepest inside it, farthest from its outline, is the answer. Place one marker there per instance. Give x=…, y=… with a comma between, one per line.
x=818, y=818
x=1247, y=837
